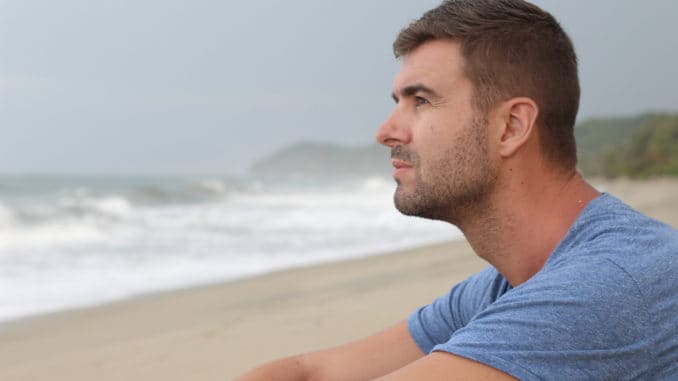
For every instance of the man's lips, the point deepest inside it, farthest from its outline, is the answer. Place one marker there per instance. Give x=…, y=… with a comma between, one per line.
x=400, y=166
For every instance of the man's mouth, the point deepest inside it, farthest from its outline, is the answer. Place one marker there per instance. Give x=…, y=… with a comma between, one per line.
x=398, y=164
x=400, y=167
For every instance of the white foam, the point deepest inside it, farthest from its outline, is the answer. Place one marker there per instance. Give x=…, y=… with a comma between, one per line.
x=49, y=236
x=378, y=184
x=75, y=221
x=113, y=206
x=6, y=216
x=82, y=203
x=85, y=249
x=212, y=186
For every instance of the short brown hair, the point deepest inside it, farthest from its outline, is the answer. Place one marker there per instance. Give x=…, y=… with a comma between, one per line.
x=511, y=48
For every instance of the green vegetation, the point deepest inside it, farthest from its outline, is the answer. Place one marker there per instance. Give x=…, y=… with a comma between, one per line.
x=637, y=147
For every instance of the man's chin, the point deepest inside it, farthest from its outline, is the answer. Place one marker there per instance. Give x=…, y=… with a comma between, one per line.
x=400, y=204
x=410, y=205
x=406, y=204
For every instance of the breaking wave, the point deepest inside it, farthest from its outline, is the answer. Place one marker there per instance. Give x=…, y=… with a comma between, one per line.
x=96, y=240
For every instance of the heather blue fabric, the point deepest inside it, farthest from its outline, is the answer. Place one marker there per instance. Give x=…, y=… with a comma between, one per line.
x=603, y=307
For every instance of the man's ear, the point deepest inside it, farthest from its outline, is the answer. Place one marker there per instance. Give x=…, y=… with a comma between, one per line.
x=519, y=118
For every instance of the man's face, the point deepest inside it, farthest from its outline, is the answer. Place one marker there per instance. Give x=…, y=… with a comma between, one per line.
x=438, y=143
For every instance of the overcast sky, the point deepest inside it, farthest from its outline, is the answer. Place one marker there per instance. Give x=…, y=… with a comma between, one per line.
x=206, y=86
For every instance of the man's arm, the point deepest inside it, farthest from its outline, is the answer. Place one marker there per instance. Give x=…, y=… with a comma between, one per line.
x=446, y=366
x=365, y=359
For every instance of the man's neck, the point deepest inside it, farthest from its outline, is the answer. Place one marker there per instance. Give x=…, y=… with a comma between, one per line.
x=523, y=223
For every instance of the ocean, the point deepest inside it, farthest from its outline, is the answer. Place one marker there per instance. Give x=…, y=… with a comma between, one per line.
x=75, y=241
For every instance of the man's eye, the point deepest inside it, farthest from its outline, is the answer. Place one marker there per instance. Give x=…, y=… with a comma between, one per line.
x=420, y=101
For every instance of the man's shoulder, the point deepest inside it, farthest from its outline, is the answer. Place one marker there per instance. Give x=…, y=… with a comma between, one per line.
x=607, y=217
x=621, y=271
x=614, y=258
x=609, y=230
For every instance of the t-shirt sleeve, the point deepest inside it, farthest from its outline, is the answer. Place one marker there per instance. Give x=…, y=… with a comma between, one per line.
x=580, y=323
x=435, y=323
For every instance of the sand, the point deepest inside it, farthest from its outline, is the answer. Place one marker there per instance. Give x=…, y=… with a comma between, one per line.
x=216, y=332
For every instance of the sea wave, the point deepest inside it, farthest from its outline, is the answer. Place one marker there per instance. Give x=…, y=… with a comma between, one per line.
x=81, y=203
x=197, y=191
x=73, y=219
x=82, y=239
x=68, y=207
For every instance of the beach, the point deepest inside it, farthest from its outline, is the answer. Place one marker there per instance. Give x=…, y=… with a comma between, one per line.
x=220, y=330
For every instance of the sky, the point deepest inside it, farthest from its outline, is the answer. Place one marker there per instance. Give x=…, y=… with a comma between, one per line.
x=209, y=86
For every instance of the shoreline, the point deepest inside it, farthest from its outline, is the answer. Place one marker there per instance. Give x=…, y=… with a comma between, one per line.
x=220, y=330
x=140, y=297
x=216, y=331
x=47, y=314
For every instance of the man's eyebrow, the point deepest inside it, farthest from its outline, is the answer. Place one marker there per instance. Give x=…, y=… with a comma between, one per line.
x=410, y=90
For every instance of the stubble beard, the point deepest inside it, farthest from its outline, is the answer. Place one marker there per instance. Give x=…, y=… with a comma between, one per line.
x=456, y=185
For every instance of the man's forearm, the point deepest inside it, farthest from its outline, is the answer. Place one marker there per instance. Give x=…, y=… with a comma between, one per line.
x=364, y=359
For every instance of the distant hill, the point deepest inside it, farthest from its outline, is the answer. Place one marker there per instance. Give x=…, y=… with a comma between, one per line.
x=312, y=159
x=639, y=146
x=596, y=137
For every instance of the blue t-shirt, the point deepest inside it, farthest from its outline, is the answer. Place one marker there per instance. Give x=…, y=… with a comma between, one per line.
x=603, y=307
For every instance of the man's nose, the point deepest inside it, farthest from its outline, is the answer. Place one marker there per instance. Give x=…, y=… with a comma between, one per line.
x=393, y=131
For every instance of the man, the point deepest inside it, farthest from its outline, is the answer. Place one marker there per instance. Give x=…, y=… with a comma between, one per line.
x=581, y=287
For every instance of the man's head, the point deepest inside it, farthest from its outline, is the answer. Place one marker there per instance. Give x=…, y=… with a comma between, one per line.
x=510, y=48
x=462, y=62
